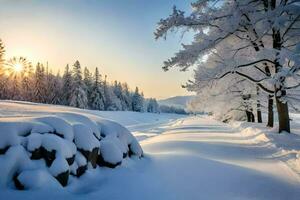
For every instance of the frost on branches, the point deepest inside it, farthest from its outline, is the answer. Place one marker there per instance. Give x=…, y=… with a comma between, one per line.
x=253, y=40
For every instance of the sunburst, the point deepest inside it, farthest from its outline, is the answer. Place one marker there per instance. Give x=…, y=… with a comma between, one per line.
x=16, y=66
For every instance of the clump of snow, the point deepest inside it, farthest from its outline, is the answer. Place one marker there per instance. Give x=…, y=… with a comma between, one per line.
x=42, y=128
x=8, y=139
x=79, y=166
x=80, y=159
x=74, y=118
x=259, y=136
x=136, y=149
x=109, y=127
x=110, y=152
x=12, y=162
x=36, y=152
x=59, y=166
x=38, y=179
x=84, y=137
x=60, y=125
x=121, y=144
x=23, y=127
x=73, y=168
x=63, y=147
x=113, y=129
x=34, y=141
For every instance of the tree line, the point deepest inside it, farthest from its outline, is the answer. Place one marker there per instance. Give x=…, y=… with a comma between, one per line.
x=246, y=54
x=19, y=80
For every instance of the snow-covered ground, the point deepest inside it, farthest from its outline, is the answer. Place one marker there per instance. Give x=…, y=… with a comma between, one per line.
x=186, y=157
x=141, y=124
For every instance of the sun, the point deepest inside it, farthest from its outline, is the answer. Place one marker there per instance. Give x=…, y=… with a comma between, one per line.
x=18, y=67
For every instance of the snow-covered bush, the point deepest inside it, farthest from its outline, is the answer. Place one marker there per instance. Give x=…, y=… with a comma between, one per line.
x=37, y=152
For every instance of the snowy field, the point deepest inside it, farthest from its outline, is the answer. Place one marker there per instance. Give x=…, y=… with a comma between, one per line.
x=185, y=157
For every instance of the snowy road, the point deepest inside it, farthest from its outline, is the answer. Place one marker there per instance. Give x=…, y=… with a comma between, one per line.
x=186, y=158
x=198, y=158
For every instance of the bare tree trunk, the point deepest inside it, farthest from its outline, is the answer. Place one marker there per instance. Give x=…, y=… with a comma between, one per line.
x=280, y=92
x=249, y=110
x=270, y=111
x=270, y=122
x=249, y=116
x=283, y=116
x=252, y=117
x=258, y=106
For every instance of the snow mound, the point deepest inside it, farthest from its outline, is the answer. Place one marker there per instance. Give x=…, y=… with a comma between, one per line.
x=255, y=134
x=37, y=179
x=113, y=129
x=111, y=155
x=42, y=152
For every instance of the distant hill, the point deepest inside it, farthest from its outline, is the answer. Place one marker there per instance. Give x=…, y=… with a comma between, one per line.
x=177, y=101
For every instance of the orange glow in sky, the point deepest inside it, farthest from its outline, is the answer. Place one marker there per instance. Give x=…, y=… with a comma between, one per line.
x=116, y=38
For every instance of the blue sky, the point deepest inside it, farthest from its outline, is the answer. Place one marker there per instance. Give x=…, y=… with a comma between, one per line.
x=116, y=36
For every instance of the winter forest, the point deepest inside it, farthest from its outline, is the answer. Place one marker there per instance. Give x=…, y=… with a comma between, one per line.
x=205, y=102
x=76, y=87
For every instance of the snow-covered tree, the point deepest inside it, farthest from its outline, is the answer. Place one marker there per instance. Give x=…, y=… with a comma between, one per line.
x=2, y=51
x=127, y=97
x=39, y=84
x=256, y=40
x=27, y=84
x=107, y=95
x=171, y=109
x=114, y=103
x=120, y=94
x=3, y=75
x=111, y=101
x=88, y=82
x=67, y=83
x=18, y=81
x=97, y=94
x=78, y=96
x=152, y=106
x=54, y=88
x=137, y=101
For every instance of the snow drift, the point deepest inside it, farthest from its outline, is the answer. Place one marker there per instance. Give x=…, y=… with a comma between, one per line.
x=43, y=151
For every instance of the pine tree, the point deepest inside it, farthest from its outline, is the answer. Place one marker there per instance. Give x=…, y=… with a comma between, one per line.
x=107, y=96
x=67, y=82
x=118, y=91
x=2, y=51
x=54, y=88
x=71, y=89
x=143, y=105
x=88, y=82
x=78, y=95
x=39, y=84
x=111, y=101
x=127, y=96
x=48, y=89
x=115, y=103
x=27, y=85
x=152, y=106
x=97, y=94
x=15, y=88
x=3, y=76
x=137, y=101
